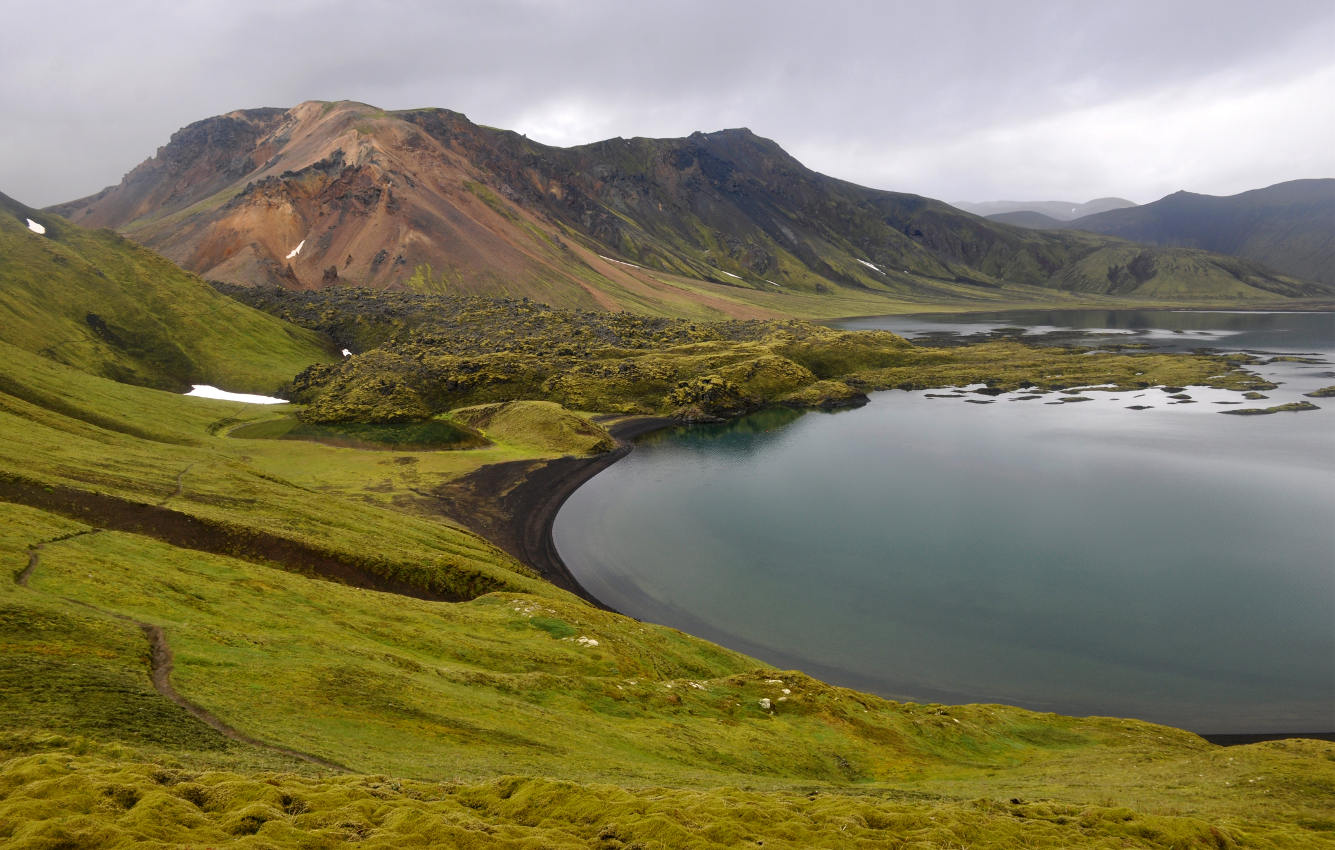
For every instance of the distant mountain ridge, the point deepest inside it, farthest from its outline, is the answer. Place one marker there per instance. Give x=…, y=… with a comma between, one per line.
x=1289, y=227
x=332, y=193
x=1058, y=210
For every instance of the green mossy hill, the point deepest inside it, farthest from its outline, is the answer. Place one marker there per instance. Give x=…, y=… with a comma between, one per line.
x=120, y=456
x=432, y=354
x=541, y=425
x=97, y=302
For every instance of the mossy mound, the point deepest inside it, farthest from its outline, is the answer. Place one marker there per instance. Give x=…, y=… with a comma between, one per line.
x=539, y=425
x=429, y=435
x=436, y=353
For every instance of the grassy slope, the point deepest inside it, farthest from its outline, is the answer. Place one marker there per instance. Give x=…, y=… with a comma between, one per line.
x=101, y=304
x=500, y=684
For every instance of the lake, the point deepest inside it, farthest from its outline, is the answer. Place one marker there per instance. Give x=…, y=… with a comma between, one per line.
x=1169, y=563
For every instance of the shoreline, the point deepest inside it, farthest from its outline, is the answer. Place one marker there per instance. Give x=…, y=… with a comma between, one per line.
x=513, y=505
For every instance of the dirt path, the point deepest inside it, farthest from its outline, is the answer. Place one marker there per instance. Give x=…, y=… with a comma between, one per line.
x=35, y=554
x=160, y=671
x=160, y=664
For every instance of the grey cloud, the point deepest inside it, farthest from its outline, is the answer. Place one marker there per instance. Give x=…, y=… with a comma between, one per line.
x=91, y=89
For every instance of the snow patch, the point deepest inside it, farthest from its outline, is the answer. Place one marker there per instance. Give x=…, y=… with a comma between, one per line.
x=870, y=266
x=206, y=391
x=586, y=641
x=36, y=228
x=347, y=353
x=297, y=250
x=621, y=262
x=772, y=283
x=730, y=274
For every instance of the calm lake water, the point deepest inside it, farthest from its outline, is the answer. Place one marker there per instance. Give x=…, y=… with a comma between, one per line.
x=1170, y=563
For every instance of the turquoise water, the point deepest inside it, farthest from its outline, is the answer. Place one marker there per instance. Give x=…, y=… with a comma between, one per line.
x=1170, y=563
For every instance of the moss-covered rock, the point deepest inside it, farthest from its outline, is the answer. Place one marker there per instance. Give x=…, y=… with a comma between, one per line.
x=542, y=425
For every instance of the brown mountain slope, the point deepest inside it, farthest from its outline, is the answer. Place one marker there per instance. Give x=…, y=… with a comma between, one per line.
x=330, y=193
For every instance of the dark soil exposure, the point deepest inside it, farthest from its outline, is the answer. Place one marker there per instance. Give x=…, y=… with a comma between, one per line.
x=514, y=504
x=189, y=532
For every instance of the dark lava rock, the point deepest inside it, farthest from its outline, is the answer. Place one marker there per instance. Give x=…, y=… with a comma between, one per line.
x=1173, y=389
x=1140, y=407
x=1254, y=395
x=1291, y=407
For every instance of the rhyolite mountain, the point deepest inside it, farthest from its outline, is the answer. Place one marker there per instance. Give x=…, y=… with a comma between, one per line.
x=1289, y=227
x=1057, y=210
x=344, y=193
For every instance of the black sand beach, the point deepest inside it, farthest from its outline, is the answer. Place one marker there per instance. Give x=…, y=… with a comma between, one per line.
x=513, y=505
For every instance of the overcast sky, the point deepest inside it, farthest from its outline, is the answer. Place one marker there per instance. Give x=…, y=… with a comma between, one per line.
x=958, y=100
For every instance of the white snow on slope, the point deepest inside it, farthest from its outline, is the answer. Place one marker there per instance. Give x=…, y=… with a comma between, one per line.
x=297, y=250
x=621, y=262
x=730, y=274
x=35, y=227
x=870, y=266
x=206, y=391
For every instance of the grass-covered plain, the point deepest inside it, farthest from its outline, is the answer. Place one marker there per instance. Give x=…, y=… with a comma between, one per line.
x=503, y=711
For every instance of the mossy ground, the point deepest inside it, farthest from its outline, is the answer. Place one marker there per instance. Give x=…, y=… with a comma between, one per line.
x=73, y=793
x=622, y=733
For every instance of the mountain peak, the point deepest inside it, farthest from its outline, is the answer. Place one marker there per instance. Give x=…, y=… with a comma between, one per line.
x=343, y=193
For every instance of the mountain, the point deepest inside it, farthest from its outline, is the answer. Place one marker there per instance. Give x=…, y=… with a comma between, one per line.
x=336, y=193
x=1289, y=227
x=100, y=303
x=1030, y=219
x=1059, y=210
